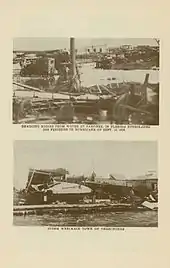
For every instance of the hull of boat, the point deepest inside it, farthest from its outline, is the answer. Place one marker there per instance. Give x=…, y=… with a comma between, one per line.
x=62, y=192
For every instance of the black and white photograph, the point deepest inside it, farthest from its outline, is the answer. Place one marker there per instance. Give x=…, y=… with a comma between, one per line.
x=86, y=80
x=85, y=183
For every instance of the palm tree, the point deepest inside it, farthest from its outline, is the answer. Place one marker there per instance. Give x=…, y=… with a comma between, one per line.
x=157, y=41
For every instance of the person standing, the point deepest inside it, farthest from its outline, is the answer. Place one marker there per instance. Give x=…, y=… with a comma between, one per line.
x=66, y=72
x=94, y=198
x=45, y=196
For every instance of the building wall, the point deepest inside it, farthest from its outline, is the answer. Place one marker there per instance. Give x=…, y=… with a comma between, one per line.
x=149, y=184
x=96, y=49
x=51, y=65
x=128, y=47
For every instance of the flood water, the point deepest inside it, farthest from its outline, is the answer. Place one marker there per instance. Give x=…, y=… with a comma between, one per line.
x=91, y=76
x=111, y=219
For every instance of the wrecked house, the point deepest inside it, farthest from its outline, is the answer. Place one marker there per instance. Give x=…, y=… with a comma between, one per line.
x=70, y=102
x=39, y=67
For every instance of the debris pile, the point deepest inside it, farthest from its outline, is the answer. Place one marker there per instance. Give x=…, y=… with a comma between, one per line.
x=123, y=103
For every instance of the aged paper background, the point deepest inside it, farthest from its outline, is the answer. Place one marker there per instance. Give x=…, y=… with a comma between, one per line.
x=38, y=247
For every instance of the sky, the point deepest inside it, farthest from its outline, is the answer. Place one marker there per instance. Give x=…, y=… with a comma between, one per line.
x=50, y=43
x=82, y=157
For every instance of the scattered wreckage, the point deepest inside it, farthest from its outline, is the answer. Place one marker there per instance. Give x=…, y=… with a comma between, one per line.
x=120, y=104
x=52, y=191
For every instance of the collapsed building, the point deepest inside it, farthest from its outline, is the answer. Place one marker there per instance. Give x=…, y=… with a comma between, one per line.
x=68, y=101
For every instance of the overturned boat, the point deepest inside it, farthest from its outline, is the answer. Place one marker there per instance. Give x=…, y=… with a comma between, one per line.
x=44, y=188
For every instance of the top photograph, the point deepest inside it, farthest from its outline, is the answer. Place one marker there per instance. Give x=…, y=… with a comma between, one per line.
x=85, y=80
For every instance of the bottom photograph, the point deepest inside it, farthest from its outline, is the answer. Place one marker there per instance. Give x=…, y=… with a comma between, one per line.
x=85, y=183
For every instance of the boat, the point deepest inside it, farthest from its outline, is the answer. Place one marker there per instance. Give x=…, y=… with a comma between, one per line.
x=46, y=187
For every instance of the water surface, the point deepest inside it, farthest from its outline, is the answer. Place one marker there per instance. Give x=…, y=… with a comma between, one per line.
x=91, y=76
x=111, y=219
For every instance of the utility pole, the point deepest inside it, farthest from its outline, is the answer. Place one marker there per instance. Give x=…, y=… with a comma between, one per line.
x=73, y=56
x=144, y=87
x=75, y=83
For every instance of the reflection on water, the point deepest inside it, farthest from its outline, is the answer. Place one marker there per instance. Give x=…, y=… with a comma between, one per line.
x=114, y=219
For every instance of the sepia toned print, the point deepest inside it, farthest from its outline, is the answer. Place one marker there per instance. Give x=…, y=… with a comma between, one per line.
x=83, y=80
x=106, y=183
